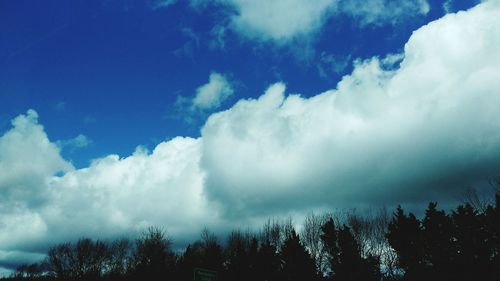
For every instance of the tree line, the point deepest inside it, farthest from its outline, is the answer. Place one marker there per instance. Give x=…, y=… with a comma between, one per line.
x=462, y=244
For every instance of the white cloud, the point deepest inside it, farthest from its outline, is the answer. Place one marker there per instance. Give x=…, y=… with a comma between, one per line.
x=27, y=157
x=417, y=131
x=113, y=196
x=280, y=19
x=421, y=131
x=213, y=93
x=164, y=187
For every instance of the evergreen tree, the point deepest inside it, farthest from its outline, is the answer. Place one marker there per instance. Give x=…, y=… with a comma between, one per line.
x=437, y=231
x=296, y=262
x=492, y=219
x=213, y=253
x=405, y=237
x=268, y=263
x=346, y=262
x=241, y=256
x=472, y=250
x=330, y=242
x=188, y=261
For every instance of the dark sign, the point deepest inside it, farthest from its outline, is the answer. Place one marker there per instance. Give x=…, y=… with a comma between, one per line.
x=201, y=274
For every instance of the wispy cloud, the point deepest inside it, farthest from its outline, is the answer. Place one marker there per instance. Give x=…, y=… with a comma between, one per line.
x=160, y=4
x=60, y=106
x=79, y=141
x=329, y=63
x=380, y=12
x=286, y=21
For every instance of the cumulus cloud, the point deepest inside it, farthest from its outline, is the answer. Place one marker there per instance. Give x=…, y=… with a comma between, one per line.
x=391, y=134
x=160, y=185
x=113, y=196
x=407, y=134
x=27, y=156
x=213, y=93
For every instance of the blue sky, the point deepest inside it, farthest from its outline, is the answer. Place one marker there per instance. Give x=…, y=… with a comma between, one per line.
x=113, y=70
x=117, y=115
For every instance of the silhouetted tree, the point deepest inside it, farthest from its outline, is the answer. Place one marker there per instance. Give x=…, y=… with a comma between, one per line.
x=31, y=271
x=90, y=259
x=213, y=253
x=462, y=245
x=120, y=259
x=189, y=260
x=311, y=238
x=60, y=261
x=84, y=260
x=206, y=253
x=276, y=232
x=492, y=220
x=268, y=264
x=437, y=234
x=295, y=260
x=153, y=258
x=405, y=237
x=472, y=250
x=346, y=261
x=241, y=256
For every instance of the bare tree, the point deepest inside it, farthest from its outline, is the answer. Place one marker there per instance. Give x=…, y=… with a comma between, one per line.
x=60, y=261
x=120, y=257
x=153, y=257
x=479, y=200
x=311, y=238
x=370, y=231
x=275, y=232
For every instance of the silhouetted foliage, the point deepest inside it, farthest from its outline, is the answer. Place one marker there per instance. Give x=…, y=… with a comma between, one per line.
x=405, y=237
x=311, y=238
x=460, y=246
x=153, y=258
x=84, y=260
x=32, y=271
x=268, y=264
x=346, y=261
x=296, y=264
x=242, y=255
x=463, y=245
x=120, y=259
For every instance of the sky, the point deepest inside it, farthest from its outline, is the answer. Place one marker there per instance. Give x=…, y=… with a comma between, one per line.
x=116, y=115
